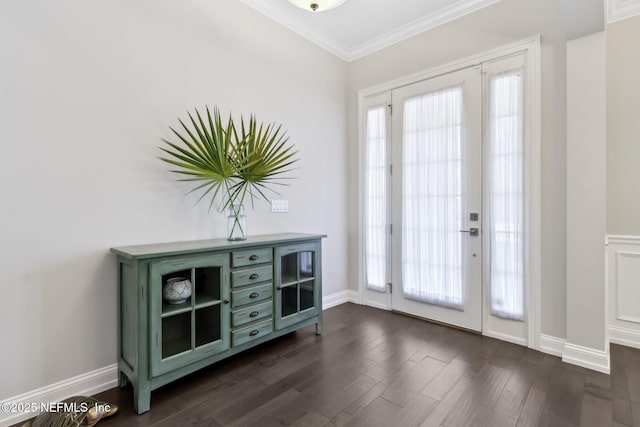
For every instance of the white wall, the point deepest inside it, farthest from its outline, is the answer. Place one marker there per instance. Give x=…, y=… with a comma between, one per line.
x=623, y=127
x=586, y=191
x=498, y=25
x=87, y=91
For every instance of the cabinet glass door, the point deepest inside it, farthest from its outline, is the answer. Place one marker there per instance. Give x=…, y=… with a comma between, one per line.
x=297, y=293
x=198, y=327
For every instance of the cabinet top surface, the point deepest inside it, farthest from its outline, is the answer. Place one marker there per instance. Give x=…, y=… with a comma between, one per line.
x=192, y=246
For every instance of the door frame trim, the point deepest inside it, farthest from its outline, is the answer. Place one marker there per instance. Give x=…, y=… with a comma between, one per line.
x=531, y=48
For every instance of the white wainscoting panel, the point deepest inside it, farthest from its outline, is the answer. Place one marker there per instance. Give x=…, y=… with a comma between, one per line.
x=623, y=290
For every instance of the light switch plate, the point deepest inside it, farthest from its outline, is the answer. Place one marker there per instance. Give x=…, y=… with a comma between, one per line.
x=279, y=206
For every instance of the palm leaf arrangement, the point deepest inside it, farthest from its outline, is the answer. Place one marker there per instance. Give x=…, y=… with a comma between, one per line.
x=228, y=164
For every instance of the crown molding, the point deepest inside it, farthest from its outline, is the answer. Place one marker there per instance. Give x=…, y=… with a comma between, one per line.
x=290, y=21
x=617, y=10
x=447, y=14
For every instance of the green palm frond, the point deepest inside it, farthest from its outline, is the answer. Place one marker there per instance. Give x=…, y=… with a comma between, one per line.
x=228, y=163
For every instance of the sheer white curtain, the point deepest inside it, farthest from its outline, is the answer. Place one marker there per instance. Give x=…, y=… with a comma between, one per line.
x=376, y=198
x=505, y=196
x=432, y=244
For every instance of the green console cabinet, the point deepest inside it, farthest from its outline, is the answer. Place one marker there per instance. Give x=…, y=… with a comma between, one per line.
x=243, y=293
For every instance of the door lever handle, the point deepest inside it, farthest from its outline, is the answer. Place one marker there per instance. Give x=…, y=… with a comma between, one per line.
x=472, y=231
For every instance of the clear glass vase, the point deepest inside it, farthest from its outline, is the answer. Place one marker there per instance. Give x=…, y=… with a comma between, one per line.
x=236, y=223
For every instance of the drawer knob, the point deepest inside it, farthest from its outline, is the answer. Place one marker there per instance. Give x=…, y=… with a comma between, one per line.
x=254, y=295
x=254, y=332
x=253, y=257
x=254, y=276
x=254, y=313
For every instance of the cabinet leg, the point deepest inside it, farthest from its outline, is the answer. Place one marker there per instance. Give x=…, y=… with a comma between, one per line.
x=141, y=398
x=319, y=325
x=123, y=381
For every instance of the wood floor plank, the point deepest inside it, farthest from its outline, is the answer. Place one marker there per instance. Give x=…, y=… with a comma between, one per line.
x=223, y=396
x=226, y=415
x=564, y=399
x=619, y=383
x=596, y=412
x=488, y=385
x=445, y=380
x=468, y=413
x=548, y=366
x=372, y=394
x=621, y=409
x=303, y=358
x=415, y=411
x=390, y=369
x=339, y=420
x=327, y=399
x=533, y=408
x=598, y=384
x=311, y=419
x=331, y=404
x=449, y=347
x=405, y=387
x=513, y=396
x=448, y=403
x=632, y=368
x=496, y=419
x=635, y=412
x=549, y=419
x=254, y=416
x=380, y=413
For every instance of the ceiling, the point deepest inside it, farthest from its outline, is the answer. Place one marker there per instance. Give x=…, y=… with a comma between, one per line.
x=379, y=23
x=360, y=27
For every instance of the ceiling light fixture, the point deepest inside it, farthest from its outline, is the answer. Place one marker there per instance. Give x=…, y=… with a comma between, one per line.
x=316, y=5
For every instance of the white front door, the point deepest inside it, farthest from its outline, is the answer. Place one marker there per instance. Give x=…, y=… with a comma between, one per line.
x=436, y=199
x=446, y=186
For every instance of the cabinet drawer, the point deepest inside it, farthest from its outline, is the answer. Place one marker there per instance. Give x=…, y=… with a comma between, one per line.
x=251, y=333
x=251, y=313
x=251, y=256
x=252, y=275
x=251, y=295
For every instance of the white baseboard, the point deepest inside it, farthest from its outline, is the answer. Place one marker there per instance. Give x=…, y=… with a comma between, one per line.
x=575, y=354
x=586, y=357
x=85, y=385
x=624, y=336
x=552, y=345
x=338, y=298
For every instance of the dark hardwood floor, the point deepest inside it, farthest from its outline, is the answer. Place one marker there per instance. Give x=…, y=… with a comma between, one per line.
x=376, y=368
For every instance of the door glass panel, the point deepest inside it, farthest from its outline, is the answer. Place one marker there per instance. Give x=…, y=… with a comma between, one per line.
x=375, y=196
x=289, y=268
x=306, y=295
x=432, y=208
x=306, y=264
x=176, y=334
x=289, y=300
x=505, y=196
x=208, y=325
